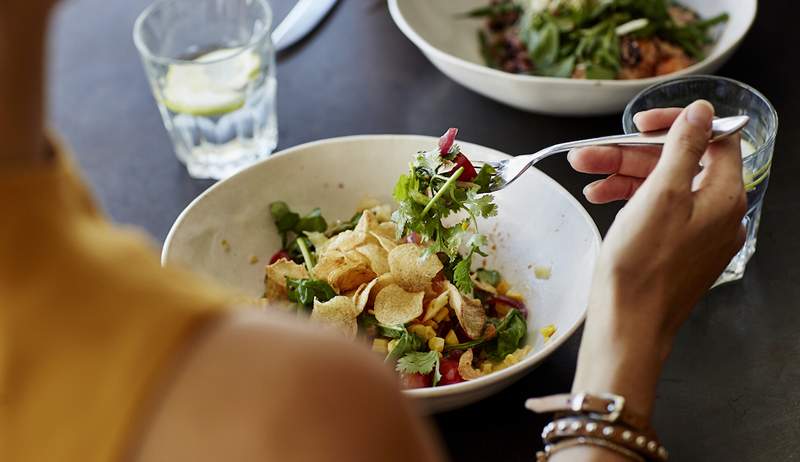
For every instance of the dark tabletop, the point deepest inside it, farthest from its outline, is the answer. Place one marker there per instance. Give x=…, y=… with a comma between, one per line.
x=731, y=389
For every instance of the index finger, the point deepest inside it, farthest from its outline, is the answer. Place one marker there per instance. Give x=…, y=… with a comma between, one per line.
x=656, y=119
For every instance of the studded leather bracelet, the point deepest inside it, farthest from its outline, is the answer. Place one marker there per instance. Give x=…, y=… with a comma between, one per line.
x=597, y=420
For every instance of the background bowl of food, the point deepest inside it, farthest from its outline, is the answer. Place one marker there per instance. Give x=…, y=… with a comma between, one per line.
x=572, y=57
x=294, y=214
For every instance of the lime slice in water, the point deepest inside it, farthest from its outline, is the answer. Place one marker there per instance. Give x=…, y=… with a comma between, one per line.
x=213, y=84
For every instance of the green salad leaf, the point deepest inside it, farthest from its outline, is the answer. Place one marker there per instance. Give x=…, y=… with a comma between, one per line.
x=490, y=277
x=510, y=334
x=418, y=363
x=367, y=321
x=304, y=291
x=289, y=222
x=342, y=226
x=430, y=194
x=407, y=343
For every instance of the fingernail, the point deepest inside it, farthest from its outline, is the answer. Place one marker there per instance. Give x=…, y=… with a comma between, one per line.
x=636, y=118
x=571, y=155
x=700, y=114
x=587, y=188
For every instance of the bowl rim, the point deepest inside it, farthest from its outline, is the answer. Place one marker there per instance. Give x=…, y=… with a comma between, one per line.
x=529, y=361
x=426, y=47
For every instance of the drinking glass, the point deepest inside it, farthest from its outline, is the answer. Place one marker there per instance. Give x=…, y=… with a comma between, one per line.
x=729, y=98
x=211, y=66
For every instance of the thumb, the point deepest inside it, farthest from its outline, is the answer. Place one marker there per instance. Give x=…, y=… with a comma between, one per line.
x=686, y=143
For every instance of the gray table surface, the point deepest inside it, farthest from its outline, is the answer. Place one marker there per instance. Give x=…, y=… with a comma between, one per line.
x=731, y=389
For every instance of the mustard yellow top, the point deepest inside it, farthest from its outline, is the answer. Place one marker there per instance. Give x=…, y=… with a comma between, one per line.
x=88, y=321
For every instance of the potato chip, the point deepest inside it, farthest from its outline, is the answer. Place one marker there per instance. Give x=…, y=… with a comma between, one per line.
x=366, y=223
x=338, y=314
x=435, y=305
x=394, y=306
x=355, y=257
x=377, y=256
x=327, y=262
x=483, y=286
x=382, y=281
x=465, y=369
x=361, y=296
x=411, y=271
x=388, y=229
x=274, y=291
x=350, y=276
x=346, y=240
x=385, y=242
x=318, y=240
x=469, y=311
x=367, y=203
x=283, y=268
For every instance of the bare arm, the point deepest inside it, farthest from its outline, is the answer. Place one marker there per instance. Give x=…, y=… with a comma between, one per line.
x=261, y=389
x=663, y=252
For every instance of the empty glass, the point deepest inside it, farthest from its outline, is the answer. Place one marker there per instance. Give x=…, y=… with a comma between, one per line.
x=211, y=65
x=729, y=97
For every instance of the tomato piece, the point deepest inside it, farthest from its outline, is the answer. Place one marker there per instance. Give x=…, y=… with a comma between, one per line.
x=448, y=367
x=469, y=173
x=416, y=380
x=447, y=140
x=278, y=255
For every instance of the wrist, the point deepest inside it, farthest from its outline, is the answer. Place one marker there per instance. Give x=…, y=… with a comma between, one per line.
x=622, y=352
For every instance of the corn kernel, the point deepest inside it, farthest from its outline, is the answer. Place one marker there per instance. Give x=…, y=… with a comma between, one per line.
x=548, y=331
x=451, y=338
x=380, y=345
x=502, y=309
x=443, y=314
x=515, y=295
x=432, y=324
x=390, y=346
x=502, y=287
x=486, y=367
x=542, y=272
x=423, y=331
x=436, y=344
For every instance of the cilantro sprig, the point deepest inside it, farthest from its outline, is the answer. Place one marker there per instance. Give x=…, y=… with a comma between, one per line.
x=439, y=185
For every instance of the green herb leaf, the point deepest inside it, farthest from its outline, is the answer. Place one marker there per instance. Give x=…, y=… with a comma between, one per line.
x=407, y=343
x=490, y=277
x=461, y=277
x=417, y=363
x=304, y=291
x=485, y=177
x=343, y=226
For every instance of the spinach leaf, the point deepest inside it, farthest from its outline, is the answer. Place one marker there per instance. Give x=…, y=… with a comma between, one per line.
x=313, y=222
x=304, y=291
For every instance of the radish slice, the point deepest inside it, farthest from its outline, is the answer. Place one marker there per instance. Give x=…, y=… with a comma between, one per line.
x=447, y=140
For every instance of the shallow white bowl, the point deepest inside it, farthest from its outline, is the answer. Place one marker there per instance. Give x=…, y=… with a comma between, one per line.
x=539, y=223
x=451, y=44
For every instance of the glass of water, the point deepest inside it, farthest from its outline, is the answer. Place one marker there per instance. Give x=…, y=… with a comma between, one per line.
x=729, y=98
x=211, y=65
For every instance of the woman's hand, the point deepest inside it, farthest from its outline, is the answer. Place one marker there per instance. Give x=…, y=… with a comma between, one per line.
x=666, y=247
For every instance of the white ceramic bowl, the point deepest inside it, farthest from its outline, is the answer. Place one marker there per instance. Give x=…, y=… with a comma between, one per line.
x=451, y=44
x=539, y=223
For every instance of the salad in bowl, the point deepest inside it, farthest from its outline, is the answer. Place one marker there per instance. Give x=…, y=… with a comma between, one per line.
x=404, y=280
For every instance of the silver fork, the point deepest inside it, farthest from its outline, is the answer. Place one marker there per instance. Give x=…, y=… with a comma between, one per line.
x=507, y=171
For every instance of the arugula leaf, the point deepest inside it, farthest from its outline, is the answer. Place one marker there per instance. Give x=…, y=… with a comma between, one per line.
x=285, y=219
x=313, y=222
x=510, y=334
x=407, y=343
x=417, y=363
x=343, y=226
x=304, y=291
x=489, y=277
